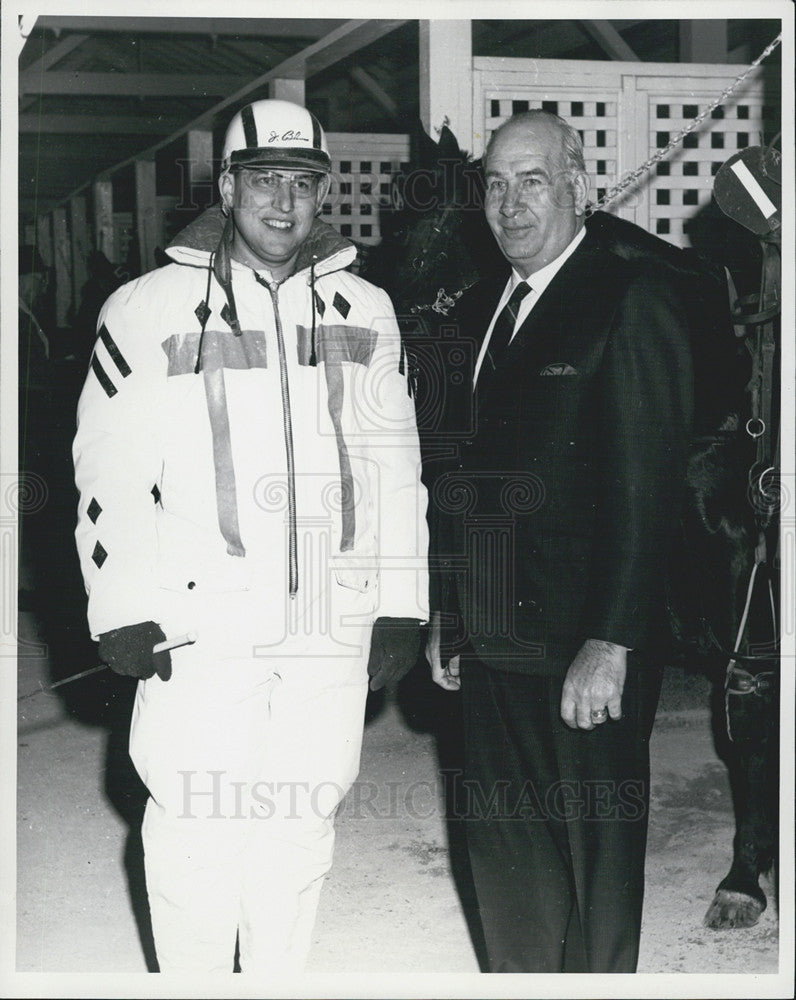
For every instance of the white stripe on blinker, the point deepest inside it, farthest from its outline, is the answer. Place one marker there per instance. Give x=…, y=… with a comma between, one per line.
x=756, y=193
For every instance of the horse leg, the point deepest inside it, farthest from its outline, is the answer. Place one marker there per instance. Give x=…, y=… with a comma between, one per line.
x=754, y=773
x=739, y=900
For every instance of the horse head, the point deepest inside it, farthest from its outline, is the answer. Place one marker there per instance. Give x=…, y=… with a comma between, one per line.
x=435, y=240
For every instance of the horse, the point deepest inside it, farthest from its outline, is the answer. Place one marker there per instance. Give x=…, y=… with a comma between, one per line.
x=435, y=245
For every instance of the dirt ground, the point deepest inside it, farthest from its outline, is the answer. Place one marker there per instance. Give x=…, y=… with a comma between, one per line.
x=398, y=899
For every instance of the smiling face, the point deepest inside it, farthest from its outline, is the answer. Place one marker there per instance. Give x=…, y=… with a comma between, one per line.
x=535, y=201
x=273, y=212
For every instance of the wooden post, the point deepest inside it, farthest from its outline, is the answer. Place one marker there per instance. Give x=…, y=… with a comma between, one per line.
x=286, y=90
x=104, y=237
x=446, y=80
x=703, y=41
x=61, y=261
x=147, y=222
x=200, y=192
x=44, y=238
x=81, y=245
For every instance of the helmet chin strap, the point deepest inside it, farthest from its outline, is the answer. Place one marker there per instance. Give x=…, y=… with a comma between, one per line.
x=222, y=268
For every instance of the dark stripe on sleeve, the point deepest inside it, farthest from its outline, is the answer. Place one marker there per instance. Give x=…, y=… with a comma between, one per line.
x=249, y=127
x=104, y=381
x=114, y=351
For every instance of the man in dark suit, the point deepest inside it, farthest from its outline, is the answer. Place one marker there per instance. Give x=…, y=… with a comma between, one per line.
x=551, y=533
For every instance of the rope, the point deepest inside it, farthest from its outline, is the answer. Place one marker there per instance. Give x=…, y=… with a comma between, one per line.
x=632, y=176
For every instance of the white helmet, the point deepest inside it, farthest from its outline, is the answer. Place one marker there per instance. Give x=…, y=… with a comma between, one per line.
x=276, y=134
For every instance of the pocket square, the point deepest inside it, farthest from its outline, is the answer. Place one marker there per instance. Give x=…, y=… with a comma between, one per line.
x=560, y=368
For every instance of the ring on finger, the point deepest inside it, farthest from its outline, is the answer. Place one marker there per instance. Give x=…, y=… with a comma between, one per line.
x=599, y=714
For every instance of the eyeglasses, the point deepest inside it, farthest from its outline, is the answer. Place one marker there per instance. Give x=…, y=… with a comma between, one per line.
x=270, y=181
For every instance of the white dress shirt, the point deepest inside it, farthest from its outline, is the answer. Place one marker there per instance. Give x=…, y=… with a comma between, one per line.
x=538, y=281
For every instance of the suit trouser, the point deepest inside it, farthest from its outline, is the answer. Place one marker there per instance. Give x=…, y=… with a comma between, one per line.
x=246, y=761
x=557, y=821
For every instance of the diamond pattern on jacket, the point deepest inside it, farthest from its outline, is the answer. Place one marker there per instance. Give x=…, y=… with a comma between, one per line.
x=99, y=555
x=341, y=305
x=320, y=305
x=202, y=312
x=94, y=510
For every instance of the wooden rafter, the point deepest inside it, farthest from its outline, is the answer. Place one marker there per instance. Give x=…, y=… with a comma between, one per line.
x=129, y=84
x=61, y=49
x=348, y=38
x=242, y=27
x=375, y=90
x=58, y=51
x=345, y=39
x=97, y=124
x=609, y=40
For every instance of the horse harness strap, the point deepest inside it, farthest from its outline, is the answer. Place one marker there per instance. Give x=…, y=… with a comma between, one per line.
x=766, y=305
x=738, y=681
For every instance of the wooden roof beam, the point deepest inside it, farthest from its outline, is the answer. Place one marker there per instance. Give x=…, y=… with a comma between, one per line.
x=347, y=40
x=129, y=84
x=97, y=124
x=374, y=90
x=59, y=51
x=609, y=40
x=349, y=37
x=320, y=54
x=254, y=27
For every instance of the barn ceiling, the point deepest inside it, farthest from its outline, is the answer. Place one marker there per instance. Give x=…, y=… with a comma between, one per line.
x=97, y=92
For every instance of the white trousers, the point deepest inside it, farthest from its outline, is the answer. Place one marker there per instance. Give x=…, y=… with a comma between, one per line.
x=246, y=760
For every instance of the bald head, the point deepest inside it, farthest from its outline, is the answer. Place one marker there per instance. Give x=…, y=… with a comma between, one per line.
x=538, y=121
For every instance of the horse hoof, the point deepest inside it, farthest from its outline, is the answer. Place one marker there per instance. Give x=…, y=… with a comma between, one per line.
x=733, y=909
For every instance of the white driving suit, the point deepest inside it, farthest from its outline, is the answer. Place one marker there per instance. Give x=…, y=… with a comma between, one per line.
x=249, y=470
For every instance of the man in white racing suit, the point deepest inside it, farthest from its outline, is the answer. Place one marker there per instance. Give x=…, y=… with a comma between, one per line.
x=249, y=477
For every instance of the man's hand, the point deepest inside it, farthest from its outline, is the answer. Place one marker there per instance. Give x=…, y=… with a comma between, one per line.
x=595, y=681
x=393, y=650
x=446, y=676
x=128, y=651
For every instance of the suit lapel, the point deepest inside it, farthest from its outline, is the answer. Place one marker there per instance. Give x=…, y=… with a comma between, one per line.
x=558, y=299
x=488, y=298
x=549, y=315
x=479, y=312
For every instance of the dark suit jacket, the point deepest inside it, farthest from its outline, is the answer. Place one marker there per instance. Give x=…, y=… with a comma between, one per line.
x=552, y=523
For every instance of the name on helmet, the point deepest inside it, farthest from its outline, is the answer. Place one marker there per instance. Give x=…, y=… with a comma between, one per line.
x=289, y=136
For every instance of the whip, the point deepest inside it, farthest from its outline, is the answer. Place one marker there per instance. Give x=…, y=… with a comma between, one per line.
x=161, y=647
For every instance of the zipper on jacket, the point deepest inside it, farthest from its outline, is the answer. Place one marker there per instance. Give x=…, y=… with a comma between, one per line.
x=288, y=424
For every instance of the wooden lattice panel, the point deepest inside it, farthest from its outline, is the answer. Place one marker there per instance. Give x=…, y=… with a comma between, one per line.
x=595, y=119
x=362, y=166
x=683, y=183
x=627, y=111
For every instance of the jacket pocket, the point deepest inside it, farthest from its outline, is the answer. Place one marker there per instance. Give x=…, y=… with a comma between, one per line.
x=195, y=578
x=355, y=573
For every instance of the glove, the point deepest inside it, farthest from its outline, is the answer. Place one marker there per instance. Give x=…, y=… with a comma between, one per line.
x=128, y=651
x=394, y=647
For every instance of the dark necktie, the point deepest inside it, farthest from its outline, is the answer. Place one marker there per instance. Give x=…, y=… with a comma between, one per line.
x=504, y=326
